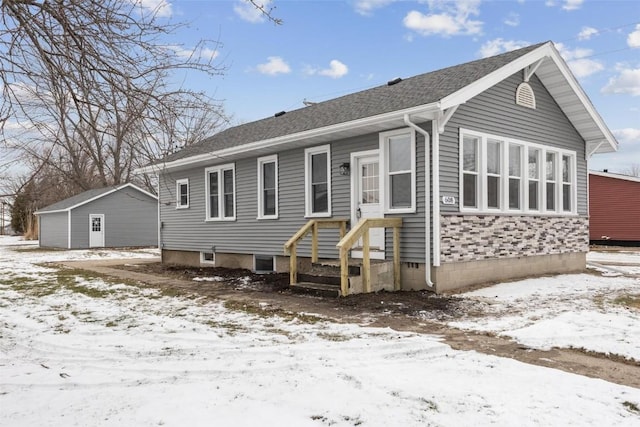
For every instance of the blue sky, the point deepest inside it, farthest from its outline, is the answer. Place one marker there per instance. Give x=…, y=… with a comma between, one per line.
x=326, y=49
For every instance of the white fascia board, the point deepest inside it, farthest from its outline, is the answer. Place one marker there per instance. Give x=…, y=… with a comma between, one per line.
x=545, y=51
x=481, y=85
x=282, y=140
x=135, y=187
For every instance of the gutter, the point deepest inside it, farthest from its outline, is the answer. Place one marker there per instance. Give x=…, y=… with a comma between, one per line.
x=427, y=198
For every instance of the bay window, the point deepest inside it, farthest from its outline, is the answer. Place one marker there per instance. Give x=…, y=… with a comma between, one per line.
x=507, y=175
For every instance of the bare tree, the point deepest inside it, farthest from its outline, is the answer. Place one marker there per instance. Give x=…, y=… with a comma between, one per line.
x=87, y=88
x=633, y=170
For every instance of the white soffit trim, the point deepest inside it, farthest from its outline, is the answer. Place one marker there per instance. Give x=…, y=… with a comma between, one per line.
x=616, y=176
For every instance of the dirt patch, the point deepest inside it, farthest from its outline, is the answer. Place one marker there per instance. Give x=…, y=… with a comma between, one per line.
x=411, y=303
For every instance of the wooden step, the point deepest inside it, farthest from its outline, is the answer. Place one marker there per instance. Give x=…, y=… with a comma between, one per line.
x=319, y=289
x=326, y=279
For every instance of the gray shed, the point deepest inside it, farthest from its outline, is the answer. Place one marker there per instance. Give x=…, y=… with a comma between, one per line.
x=118, y=216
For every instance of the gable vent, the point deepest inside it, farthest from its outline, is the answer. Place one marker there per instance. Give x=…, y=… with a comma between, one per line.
x=525, y=96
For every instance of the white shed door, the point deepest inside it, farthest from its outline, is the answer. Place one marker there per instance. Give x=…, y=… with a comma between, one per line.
x=96, y=230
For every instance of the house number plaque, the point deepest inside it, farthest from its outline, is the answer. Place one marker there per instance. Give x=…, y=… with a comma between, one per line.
x=448, y=200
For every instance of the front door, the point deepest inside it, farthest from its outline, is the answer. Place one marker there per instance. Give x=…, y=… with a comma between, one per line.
x=96, y=230
x=365, y=199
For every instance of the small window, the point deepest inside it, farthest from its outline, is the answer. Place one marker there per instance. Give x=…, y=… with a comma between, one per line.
x=470, y=172
x=567, y=187
x=398, y=150
x=515, y=176
x=494, y=172
x=182, y=194
x=263, y=263
x=207, y=258
x=268, y=187
x=318, y=181
x=533, y=165
x=550, y=169
x=220, y=193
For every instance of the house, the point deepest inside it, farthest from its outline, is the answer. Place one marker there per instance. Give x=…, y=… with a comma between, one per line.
x=614, y=209
x=118, y=216
x=461, y=176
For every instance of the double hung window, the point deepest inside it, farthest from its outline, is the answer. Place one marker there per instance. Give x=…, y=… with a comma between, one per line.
x=398, y=150
x=268, y=187
x=182, y=193
x=220, y=192
x=318, y=181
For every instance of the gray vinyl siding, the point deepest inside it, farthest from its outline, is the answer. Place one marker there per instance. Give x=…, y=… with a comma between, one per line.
x=53, y=230
x=130, y=219
x=494, y=111
x=186, y=229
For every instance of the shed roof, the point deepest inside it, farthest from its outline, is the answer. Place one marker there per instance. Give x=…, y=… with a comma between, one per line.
x=87, y=197
x=425, y=97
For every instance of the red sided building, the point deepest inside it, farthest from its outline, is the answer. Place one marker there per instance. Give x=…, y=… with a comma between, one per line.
x=614, y=209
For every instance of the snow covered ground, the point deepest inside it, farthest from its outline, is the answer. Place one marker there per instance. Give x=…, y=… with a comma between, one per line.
x=78, y=351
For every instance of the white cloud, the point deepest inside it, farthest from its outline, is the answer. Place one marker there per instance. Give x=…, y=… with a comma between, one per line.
x=572, y=4
x=512, y=20
x=496, y=46
x=197, y=53
x=586, y=33
x=634, y=38
x=274, y=66
x=626, y=82
x=159, y=8
x=578, y=61
x=336, y=70
x=628, y=136
x=247, y=11
x=453, y=19
x=366, y=7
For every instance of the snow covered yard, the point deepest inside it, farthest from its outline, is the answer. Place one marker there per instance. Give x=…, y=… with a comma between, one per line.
x=599, y=313
x=76, y=350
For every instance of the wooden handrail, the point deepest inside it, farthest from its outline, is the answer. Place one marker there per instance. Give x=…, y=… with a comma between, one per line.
x=312, y=225
x=361, y=230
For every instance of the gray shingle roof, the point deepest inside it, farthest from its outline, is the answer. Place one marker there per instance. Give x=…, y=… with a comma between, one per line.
x=411, y=92
x=82, y=198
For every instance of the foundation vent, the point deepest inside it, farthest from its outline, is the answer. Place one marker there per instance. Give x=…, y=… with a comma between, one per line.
x=525, y=96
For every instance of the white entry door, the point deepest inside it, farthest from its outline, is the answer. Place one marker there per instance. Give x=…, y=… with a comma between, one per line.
x=365, y=199
x=96, y=230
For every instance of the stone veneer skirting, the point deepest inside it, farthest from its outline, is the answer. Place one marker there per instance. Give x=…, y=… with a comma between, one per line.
x=483, y=237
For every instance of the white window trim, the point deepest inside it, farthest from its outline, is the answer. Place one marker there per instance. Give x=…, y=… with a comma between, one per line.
x=261, y=162
x=307, y=181
x=180, y=182
x=204, y=261
x=542, y=178
x=385, y=192
x=220, y=169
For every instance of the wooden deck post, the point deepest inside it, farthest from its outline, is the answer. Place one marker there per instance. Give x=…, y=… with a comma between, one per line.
x=314, y=242
x=293, y=264
x=396, y=259
x=366, y=263
x=344, y=272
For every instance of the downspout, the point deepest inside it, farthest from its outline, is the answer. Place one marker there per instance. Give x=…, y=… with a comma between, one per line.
x=69, y=229
x=436, y=191
x=427, y=198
